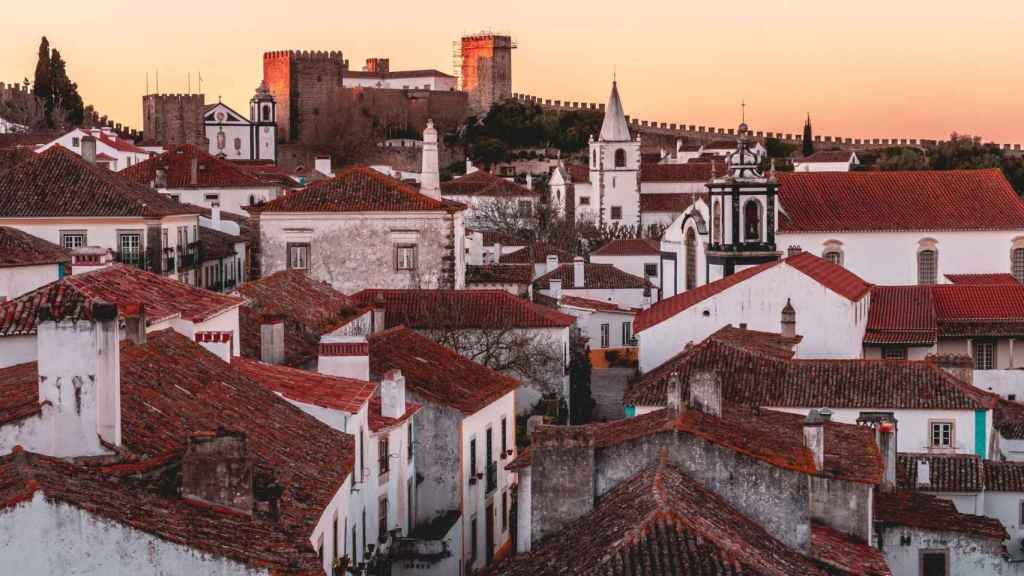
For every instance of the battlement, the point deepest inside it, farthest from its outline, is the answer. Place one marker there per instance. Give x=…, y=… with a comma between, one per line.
x=305, y=55
x=14, y=88
x=168, y=97
x=702, y=133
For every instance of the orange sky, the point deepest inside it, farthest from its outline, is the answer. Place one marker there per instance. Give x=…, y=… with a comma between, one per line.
x=894, y=68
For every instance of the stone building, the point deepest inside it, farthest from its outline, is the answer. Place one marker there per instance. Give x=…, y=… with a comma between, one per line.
x=170, y=119
x=304, y=85
x=486, y=70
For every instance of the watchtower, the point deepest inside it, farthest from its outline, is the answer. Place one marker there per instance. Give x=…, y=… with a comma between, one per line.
x=172, y=119
x=486, y=69
x=305, y=85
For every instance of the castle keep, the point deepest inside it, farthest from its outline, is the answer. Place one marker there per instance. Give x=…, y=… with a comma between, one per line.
x=486, y=70
x=305, y=85
x=172, y=119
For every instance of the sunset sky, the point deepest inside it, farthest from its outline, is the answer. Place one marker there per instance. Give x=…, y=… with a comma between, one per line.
x=871, y=68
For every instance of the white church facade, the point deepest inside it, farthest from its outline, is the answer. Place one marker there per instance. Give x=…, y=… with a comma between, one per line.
x=235, y=137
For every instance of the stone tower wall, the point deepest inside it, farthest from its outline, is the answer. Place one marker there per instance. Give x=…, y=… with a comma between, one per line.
x=305, y=85
x=171, y=119
x=486, y=70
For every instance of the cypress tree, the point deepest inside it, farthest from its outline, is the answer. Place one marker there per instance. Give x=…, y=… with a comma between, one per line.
x=808, y=138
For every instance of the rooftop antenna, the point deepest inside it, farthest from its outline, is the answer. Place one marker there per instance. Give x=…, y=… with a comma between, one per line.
x=200, y=81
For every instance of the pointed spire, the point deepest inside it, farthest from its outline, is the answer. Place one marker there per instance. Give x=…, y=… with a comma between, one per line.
x=614, y=128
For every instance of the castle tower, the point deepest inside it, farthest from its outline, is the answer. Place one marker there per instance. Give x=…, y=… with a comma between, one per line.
x=263, y=115
x=615, y=167
x=486, y=70
x=305, y=86
x=172, y=119
x=744, y=209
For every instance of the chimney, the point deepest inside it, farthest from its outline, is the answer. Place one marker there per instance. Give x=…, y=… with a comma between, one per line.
x=80, y=382
x=886, y=434
x=674, y=394
x=563, y=473
x=814, y=434
x=379, y=312
x=322, y=164
x=924, y=475
x=578, y=279
x=956, y=365
x=217, y=342
x=194, y=171
x=135, y=322
x=347, y=356
x=706, y=393
x=529, y=181
x=793, y=251
x=551, y=263
x=89, y=149
x=430, y=178
x=788, y=320
x=469, y=167
x=160, y=181
x=392, y=394
x=497, y=252
x=555, y=286
x=272, y=339
x=216, y=469
x=215, y=216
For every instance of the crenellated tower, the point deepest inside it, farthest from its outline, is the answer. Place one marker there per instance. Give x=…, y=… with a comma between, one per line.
x=305, y=85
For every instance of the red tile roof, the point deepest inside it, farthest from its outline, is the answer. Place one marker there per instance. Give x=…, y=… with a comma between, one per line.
x=762, y=380
x=846, y=553
x=676, y=203
x=481, y=183
x=826, y=156
x=1004, y=476
x=928, y=512
x=1008, y=418
x=19, y=248
x=947, y=472
x=591, y=304
x=462, y=309
x=344, y=394
x=679, y=172
x=71, y=297
x=359, y=189
x=595, y=277
x=212, y=172
x=20, y=397
x=536, y=253
x=376, y=420
x=310, y=308
x=898, y=201
x=436, y=374
x=831, y=276
x=985, y=279
x=901, y=315
x=770, y=343
x=629, y=247
x=499, y=274
x=918, y=315
x=116, y=142
x=580, y=173
x=660, y=522
x=59, y=183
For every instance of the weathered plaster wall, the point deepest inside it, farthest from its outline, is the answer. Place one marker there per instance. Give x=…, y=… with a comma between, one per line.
x=845, y=506
x=967, y=555
x=437, y=432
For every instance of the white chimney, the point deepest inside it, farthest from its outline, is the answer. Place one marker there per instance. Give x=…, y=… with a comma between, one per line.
x=556, y=288
x=79, y=383
x=217, y=342
x=578, y=280
x=814, y=434
x=89, y=149
x=924, y=475
x=497, y=252
x=322, y=164
x=430, y=177
x=392, y=395
x=469, y=167
x=551, y=263
x=529, y=181
x=347, y=356
x=215, y=216
x=788, y=320
x=194, y=171
x=475, y=241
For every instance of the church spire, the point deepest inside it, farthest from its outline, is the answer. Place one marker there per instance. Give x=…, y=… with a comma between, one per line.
x=808, y=147
x=614, y=128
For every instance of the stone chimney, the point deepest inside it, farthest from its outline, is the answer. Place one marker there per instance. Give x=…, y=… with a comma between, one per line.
x=706, y=393
x=379, y=314
x=392, y=394
x=470, y=168
x=193, y=178
x=793, y=250
x=135, y=322
x=160, y=180
x=79, y=383
x=529, y=181
x=215, y=216
x=924, y=473
x=788, y=320
x=814, y=434
x=562, y=483
x=217, y=342
x=886, y=434
x=578, y=271
x=346, y=356
x=551, y=264
x=674, y=393
x=958, y=366
x=272, y=339
x=89, y=149
x=430, y=177
x=89, y=258
x=322, y=164
x=217, y=470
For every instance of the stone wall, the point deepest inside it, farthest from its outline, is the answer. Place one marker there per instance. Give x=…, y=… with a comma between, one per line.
x=171, y=119
x=305, y=85
x=437, y=433
x=902, y=548
x=486, y=70
x=563, y=477
x=845, y=506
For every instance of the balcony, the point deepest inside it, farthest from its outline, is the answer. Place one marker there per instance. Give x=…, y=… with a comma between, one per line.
x=137, y=259
x=492, y=477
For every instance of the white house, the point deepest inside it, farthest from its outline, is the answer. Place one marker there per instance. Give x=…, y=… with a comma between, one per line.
x=192, y=176
x=63, y=199
x=606, y=324
x=827, y=161
x=636, y=256
x=602, y=282
x=235, y=137
x=27, y=262
x=377, y=73
x=112, y=151
x=835, y=301
x=492, y=201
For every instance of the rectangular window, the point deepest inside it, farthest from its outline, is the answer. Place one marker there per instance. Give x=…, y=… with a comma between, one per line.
x=616, y=212
x=525, y=209
x=984, y=355
x=473, y=540
x=410, y=440
x=934, y=563
x=605, y=335
x=73, y=238
x=584, y=200
x=405, y=257
x=382, y=523
x=129, y=245
x=298, y=256
x=75, y=142
x=504, y=434
x=651, y=270
x=1020, y=518
x=364, y=528
x=472, y=457
x=362, y=460
x=382, y=456
x=212, y=197
x=894, y=353
x=504, y=511
x=942, y=434
x=627, y=334
x=927, y=267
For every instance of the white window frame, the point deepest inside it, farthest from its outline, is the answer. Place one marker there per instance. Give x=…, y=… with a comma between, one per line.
x=946, y=437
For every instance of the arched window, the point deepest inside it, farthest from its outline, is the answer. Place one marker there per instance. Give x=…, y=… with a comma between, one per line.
x=752, y=221
x=691, y=259
x=1017, y=263
x=266, y=113
x=620, y=158
x=834, y=256
x=716, y=222
x=927, y=266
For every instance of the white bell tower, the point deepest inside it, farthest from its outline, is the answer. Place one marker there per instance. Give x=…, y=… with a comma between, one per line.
x=615, y=168
x=263, y=115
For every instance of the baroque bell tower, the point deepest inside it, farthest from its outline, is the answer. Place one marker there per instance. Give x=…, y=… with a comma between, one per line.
x=263, y=115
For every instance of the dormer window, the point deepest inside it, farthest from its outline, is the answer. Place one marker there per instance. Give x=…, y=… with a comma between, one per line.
x=752, y=221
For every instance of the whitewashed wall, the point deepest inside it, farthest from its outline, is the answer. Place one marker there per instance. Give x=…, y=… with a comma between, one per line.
x=17, y=280
x=631, y=264
x=233, y=200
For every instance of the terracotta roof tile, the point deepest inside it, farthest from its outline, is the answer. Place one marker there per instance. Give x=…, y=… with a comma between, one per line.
x=359, y=189
x=679, y=172
x=345, y=394
x=310, y=308
x=71, y=297
x=595, y=276
x=59, y=183
x=1004, y=476
x=901, y=315
x=212, y=172
x=20, y=392
x=629, y=247
x=591, y=304
x=922, y=200
x=481, y=183
x=437, y=374
x=850, y=555
x=770, y=343
x=984, y=279
x=676, y=203
x=499, y=274
x=928, y=512
x=946, y=472
x=917, y=315
x=536, y=253
x=580, y=173
x=826, y=156
x=464, y=309
x=763, y=380
x=660, y=522
x=19, y=248
x=115, y=142
x=217, y=245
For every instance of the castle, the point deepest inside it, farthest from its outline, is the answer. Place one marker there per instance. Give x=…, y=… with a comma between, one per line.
x=486, y=69
x=172, y=119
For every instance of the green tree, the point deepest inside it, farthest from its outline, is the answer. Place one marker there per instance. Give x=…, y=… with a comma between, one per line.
x=41, y=87
x=62, y=104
